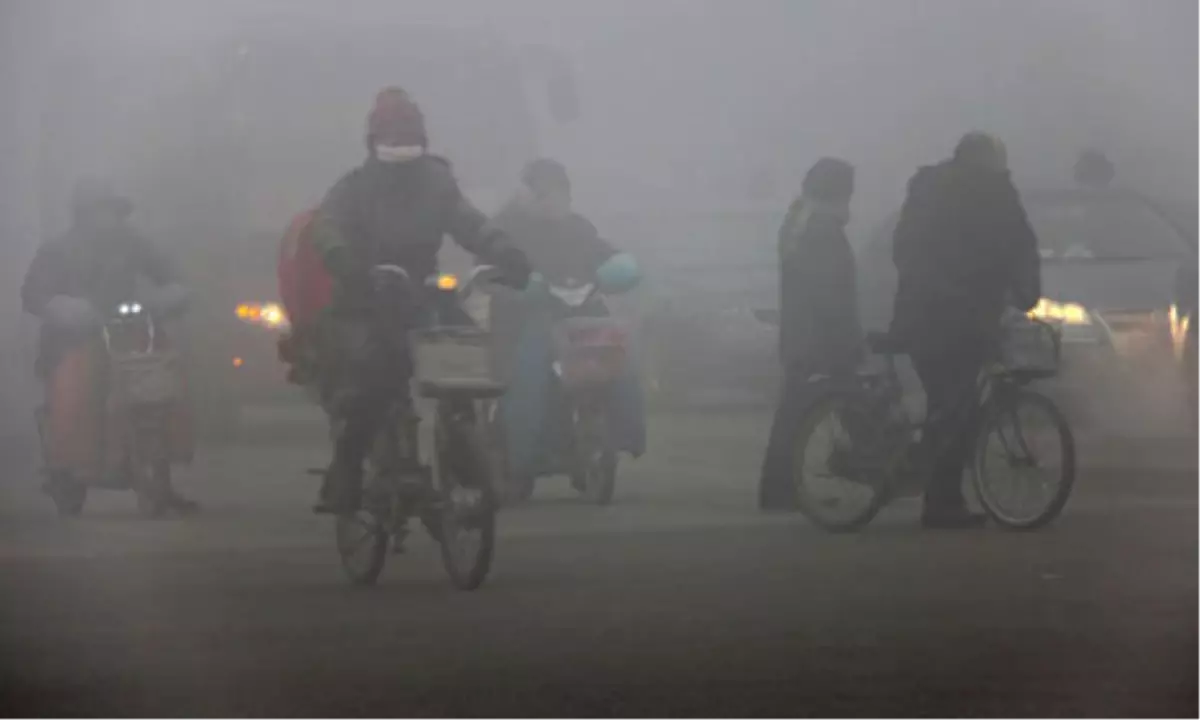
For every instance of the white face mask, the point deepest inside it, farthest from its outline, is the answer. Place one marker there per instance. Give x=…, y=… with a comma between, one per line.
x=398, y=153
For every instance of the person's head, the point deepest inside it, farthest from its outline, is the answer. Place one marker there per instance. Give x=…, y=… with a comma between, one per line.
x=395, y=127
x=981, y=151
x=97, y=206
x=548, y=186
x=830, y=181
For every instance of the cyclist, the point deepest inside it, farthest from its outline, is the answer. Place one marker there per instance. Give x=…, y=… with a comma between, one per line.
x=393, y=209
x=819, y=329
x=963, y=250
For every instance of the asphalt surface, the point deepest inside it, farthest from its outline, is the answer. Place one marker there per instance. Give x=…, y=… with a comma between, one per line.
x=681, y=599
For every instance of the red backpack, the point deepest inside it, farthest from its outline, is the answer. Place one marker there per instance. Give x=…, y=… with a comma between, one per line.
x=305, y=286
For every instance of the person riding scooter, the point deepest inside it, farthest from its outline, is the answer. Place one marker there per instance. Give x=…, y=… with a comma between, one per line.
x=73, y=281
x=564, y=250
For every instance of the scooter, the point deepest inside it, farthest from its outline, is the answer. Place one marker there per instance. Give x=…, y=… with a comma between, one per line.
x=138, y=386
x=590, y=353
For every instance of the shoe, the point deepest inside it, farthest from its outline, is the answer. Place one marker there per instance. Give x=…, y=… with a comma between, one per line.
x=181, y=505
x=952, y=518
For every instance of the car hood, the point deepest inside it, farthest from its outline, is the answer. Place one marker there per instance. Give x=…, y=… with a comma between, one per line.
x=1119, y=285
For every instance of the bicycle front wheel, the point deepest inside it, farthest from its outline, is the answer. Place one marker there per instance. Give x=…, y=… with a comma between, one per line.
x=1024, y=460
x=468, y=507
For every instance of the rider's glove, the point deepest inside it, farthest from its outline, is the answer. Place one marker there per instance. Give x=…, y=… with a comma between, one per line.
x=71, y=314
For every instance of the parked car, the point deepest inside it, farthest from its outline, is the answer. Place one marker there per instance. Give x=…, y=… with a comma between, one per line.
x=1115, y=268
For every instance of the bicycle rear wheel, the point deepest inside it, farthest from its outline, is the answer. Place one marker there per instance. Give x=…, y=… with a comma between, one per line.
x=1024, y=460
x=837, y=487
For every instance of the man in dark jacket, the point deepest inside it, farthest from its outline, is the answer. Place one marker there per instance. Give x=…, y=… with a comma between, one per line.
x=819, y=331
x=963, y=250
x=393, y=209
x=76, y=279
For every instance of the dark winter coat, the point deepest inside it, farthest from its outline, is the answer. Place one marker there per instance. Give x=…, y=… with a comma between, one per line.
x=818, y=324
x=560, y=248
x=103, y=269
x=563, y=249
x=963, y=249
x=397, y=213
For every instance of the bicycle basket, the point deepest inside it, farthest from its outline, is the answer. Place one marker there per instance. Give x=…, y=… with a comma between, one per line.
x=1030, y=347
x=589, y=351
x=151, y=379
x=454, y=360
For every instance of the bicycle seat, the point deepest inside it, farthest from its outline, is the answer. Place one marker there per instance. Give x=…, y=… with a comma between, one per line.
x=882, y=343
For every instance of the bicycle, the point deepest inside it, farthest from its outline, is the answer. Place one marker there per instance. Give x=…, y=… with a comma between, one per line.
x=873, y=439
x=453, y=498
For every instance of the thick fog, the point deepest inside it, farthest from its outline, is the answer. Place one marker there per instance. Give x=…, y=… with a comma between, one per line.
x=683, y=104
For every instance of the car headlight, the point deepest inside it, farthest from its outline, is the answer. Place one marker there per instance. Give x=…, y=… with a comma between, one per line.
x=268, y=315
x=1065, y=313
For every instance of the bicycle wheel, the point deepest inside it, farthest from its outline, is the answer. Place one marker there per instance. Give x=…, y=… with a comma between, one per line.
x=468, y=539
x=1024, y=460
x=836, y=488
x=362, y=544
x=595, y=471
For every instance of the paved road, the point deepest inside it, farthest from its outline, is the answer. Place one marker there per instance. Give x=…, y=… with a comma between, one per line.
x=681, y=599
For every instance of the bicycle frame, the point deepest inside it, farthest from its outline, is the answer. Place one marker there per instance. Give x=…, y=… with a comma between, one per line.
x=899, y=431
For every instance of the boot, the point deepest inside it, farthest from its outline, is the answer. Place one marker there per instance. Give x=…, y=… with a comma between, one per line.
x=179, y=504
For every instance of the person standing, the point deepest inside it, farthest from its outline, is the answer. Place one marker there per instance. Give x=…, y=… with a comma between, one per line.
x=963, y=251
x=819, y=331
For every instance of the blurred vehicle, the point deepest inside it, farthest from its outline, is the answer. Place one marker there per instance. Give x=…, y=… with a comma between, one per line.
x=234, y=330
x=1114, y=265
x=706, y=272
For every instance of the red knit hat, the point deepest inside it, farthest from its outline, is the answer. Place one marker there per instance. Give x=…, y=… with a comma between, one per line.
x=395, y=120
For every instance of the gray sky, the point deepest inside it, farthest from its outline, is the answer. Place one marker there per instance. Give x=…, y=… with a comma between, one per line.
x=685, y=101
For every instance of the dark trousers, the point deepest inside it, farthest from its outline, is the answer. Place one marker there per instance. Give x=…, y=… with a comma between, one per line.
x=776, y=490
x=362, y=378
x=949, y=377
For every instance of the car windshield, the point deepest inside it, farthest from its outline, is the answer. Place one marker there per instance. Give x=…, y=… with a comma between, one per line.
x=1102, y=229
